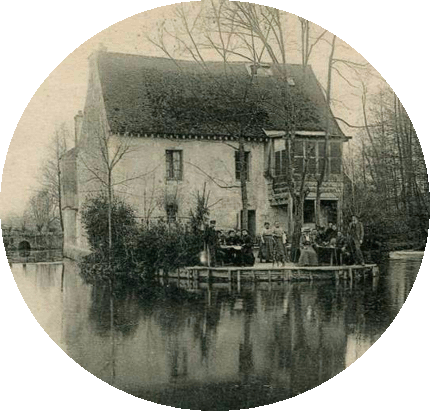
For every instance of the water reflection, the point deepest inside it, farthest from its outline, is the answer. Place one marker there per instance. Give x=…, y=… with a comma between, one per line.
x=229, y=349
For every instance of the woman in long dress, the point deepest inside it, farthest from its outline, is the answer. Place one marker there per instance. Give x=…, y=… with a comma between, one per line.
x=280, y=240
x=266, y=244
x=247, y=256
x=308, y=256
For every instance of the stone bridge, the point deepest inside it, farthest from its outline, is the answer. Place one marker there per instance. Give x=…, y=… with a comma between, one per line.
x=31, y=241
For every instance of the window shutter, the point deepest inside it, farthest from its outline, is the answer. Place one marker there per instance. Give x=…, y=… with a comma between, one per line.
x=278, y=163
x=168, y=163
x=284, y=162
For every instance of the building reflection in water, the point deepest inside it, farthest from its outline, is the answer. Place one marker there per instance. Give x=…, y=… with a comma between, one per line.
x=243, y=349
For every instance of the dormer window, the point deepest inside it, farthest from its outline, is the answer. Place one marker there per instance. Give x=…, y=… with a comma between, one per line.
x=259, y=69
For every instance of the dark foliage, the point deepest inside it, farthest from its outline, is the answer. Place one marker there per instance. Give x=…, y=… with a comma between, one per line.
x=138, y=251
x=124, y=227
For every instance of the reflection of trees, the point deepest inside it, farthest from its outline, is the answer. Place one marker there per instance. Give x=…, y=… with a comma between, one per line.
x=120, y=304
x=290, y=338
x=308, y=342
x=246, y=361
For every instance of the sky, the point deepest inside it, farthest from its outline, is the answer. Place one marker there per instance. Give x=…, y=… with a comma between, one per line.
x=63, y=93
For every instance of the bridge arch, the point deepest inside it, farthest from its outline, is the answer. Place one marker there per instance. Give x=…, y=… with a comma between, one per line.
x=24, y=245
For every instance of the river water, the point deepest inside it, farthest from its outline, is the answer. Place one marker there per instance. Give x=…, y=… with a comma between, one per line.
x=226, y=350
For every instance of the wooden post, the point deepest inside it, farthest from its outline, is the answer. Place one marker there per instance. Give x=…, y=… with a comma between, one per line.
x=238, y=280
x=229, y=275
x=350, y=273
x=269, y=276
x=254, y=275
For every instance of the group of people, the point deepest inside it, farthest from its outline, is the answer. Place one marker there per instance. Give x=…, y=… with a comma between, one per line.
x=273, y=244
x=322, y=242
x=236, y=247
x=316, y=246
x=233, y=247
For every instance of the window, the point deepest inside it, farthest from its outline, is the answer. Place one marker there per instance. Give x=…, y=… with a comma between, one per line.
x=237, y=165
x=259, y=69
x=174, y=164
x=299, y=156
x=314, y=152
x=321, y=151
x=335, y=158
x=311, y=155
x=171, y=212
x=280, y=163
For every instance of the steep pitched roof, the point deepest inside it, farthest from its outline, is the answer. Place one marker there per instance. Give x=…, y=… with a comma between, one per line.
x=158, y=95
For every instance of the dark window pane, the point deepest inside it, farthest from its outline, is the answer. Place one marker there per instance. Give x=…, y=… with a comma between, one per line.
x=320, y=164
x=174, y=164
x=312, y=165
x=298, y=148
x=298, y=165
x=335, y=150
x=310, y=149
x=335, y=165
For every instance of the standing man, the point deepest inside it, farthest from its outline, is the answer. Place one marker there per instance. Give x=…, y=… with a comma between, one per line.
x=356, y=235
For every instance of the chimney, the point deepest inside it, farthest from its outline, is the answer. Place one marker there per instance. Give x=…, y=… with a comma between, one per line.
x=79, y=118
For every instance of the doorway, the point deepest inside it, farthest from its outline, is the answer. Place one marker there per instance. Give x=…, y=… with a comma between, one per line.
x=328, y=212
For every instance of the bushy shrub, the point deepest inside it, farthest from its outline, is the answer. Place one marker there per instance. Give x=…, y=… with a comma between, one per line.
x=138, y=251
x=124, y=227
x=168, y=246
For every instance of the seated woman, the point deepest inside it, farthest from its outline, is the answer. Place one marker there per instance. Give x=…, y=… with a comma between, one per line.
x=308, y=256
x=247, y=256
x=232, y=255
x=232, y=238
x=266, y=245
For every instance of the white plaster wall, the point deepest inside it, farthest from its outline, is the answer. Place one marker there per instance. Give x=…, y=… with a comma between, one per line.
x=204, y=161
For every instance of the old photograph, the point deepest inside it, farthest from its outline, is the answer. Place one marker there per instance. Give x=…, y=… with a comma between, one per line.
x=226, y=207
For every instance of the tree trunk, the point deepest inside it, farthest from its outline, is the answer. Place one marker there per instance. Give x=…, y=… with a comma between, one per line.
x=243, y=186
x=60, y=207
x=326, y=137
x=110, y=215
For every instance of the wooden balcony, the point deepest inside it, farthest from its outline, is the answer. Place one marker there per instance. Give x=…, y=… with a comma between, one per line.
x=280, y=185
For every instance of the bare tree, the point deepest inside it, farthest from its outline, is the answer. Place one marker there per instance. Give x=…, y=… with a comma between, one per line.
x=195, y=32
x=51, y=170
x=328, y=115
x=42, y=210
x=100, y=159
x=266, y=26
